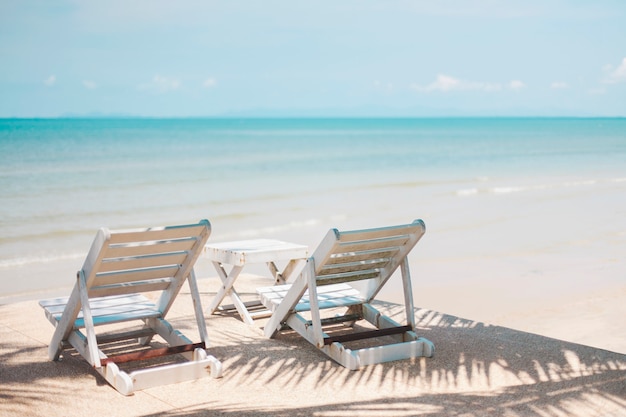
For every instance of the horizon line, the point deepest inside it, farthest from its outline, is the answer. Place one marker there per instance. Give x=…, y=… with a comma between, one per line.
x=251, y=117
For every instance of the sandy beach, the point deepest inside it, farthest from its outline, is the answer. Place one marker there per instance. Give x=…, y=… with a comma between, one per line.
x=509, y=341
x=479, y=369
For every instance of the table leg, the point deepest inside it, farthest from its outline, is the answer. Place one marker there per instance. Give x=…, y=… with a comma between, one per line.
x=293, y=268
x=227, y=289
x=278, y=277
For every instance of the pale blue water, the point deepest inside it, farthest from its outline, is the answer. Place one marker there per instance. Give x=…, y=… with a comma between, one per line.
x=62, y=179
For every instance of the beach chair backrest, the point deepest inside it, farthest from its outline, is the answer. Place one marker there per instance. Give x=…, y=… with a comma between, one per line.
x=143, y=260
x=364, y=255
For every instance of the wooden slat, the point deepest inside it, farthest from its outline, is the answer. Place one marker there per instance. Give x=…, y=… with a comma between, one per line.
x=329, y=296
x=260, y=314
x=104, y=309
x=144, y=248
x=120, y=308
x=350, y=337
x=127, y=335
x=107, y=310
x=247, y=304
x=152, y=353
x=353, y=266
x=363, y=245
x=119, y=318
x=56, y=305
x=415, y=227
x=156, y=233
x=144, y=274
x=347, y=277
x=366, y=255
x=115, y=337
x=137, y=262
x=338, y=319
x=131, y=287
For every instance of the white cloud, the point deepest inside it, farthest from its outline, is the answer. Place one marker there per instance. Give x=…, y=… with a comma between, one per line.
x=90, y=85
x=160, y=84
x=209, y=83
x=50, y=81
x=559, y=85
x=445, y=83
x=442, y=83
x=617, y=75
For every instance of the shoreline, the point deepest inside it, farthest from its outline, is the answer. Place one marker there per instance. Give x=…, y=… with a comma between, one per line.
x=518, y=259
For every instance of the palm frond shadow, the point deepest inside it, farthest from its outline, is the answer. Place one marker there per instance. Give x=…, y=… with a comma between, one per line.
x=544, y=399
x=519, y=371
x=496, y=370
x=25, y=383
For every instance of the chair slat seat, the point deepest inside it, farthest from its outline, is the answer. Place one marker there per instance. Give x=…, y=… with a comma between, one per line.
x=330, y=296
x=108, y=310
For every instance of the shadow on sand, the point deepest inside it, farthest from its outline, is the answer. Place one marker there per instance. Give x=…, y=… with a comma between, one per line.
x=477, y=370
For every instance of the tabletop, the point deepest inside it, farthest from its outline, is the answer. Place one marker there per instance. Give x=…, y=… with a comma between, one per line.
x=254, y=251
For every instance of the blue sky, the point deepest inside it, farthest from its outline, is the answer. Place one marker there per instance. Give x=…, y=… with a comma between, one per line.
x=321, y=58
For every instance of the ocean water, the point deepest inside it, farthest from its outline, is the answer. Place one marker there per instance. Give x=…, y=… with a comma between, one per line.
x=62, y=179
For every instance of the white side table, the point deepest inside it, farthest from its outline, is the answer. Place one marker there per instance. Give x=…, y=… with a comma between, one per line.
x=244, y=252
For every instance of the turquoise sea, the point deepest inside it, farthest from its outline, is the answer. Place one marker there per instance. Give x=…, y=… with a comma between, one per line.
x=62, y=179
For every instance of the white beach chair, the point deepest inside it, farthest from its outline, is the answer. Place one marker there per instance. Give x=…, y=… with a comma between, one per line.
x=328, y=280
x=120, y=268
